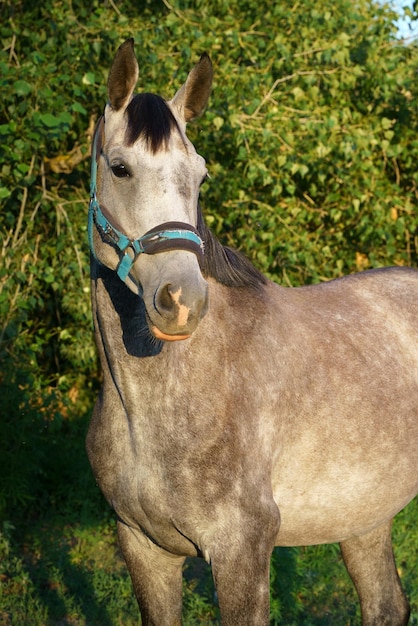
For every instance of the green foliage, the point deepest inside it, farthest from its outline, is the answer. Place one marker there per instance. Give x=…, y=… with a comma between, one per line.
x=69, y=572
x=311, y=143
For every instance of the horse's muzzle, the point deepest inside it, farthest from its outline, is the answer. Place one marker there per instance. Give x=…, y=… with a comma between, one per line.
x=177, y=305
x=178, y=311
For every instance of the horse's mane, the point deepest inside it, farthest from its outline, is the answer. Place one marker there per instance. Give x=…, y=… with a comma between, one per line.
x=226, y=265
x=150, y=117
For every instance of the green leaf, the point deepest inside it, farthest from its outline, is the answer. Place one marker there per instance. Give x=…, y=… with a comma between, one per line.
x=78, y=108
x=89, y=78
x=22, y=88
x=23, y=168
x=49, y=120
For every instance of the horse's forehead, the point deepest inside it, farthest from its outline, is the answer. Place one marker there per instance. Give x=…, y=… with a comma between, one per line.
x=177, y=151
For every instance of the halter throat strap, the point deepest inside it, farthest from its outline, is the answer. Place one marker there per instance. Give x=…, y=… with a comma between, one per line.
x=163, y=238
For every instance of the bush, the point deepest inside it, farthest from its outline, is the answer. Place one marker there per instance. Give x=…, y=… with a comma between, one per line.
x=311, y=143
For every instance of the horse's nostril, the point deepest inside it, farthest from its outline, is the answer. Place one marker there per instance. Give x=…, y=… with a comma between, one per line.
x=179, y=308
x=165, y=299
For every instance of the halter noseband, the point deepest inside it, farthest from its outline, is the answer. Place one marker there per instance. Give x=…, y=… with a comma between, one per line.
x=167, y=236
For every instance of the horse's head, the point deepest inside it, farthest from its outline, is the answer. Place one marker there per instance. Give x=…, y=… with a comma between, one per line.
x=143, y=212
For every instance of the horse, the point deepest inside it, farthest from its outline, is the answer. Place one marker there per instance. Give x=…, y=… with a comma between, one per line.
x=236, y=414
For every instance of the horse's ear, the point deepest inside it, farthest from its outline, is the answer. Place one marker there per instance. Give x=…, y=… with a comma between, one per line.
x=123, y=76
x=192, y=98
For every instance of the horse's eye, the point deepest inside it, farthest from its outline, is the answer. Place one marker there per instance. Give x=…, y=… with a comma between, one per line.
x=120, y=171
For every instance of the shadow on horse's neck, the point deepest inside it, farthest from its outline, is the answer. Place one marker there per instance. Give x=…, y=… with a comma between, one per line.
x=130, y=308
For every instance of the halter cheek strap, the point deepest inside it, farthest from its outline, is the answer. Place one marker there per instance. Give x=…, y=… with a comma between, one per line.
x=162, y=238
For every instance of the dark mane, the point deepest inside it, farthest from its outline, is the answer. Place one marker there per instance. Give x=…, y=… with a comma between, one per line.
x=149, y=117
x=229, y=267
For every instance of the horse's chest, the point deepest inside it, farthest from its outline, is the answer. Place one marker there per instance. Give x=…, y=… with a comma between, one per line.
x=170, y=478
x=161, y=498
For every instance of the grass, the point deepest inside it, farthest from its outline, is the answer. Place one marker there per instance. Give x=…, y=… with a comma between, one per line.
x=65, y=569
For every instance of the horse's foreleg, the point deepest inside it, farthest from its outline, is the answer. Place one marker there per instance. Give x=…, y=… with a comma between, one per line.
x=370, y=562
x=156, y=576
x=242, y=584
x=241, y=569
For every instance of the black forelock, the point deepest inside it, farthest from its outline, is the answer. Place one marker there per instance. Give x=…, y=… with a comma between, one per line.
x=149, y=117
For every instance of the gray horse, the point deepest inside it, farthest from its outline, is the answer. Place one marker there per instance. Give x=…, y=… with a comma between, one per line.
x=236, y=415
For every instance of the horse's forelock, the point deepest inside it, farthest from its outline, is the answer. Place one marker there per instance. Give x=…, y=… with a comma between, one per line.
x=149, y=117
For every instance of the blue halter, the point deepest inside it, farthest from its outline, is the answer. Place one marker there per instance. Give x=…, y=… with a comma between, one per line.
x=167, y=236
